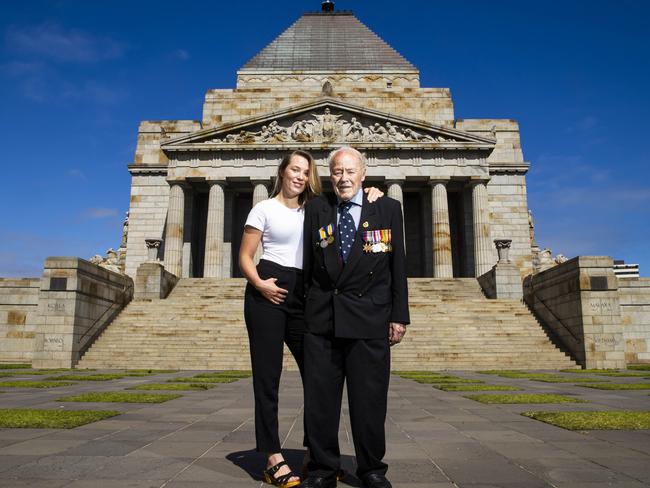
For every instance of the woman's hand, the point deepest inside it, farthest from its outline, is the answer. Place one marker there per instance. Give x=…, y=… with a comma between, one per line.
x=271, y=291
x=373, y=193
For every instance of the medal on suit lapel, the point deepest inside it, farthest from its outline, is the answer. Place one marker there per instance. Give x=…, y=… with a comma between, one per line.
x=326, y=235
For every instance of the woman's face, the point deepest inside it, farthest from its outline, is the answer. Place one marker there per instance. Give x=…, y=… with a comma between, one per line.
x=295, y=176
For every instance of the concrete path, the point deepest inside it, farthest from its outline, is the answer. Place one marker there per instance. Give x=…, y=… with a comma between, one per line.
x=436, y=439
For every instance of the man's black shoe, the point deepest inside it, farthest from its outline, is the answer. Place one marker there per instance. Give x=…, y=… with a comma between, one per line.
x=374, y=480
x=318, y=482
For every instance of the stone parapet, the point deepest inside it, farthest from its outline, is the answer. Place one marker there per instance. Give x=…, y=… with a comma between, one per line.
x=18, y=318
x=502, y=281
x=579, y=301
x=634, y=296
x=77, y=299
x=152, y=282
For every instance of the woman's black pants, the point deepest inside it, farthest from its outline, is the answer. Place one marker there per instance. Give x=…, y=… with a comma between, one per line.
x=270, y=326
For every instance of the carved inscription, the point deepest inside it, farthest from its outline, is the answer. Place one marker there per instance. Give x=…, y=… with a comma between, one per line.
x=53, y=343
x=601, y=306
x=58, y=307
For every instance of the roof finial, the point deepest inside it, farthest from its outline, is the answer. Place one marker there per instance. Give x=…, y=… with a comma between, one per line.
x=328, y=6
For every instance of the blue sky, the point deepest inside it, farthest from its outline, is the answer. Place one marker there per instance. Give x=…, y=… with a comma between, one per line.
x=77, y=76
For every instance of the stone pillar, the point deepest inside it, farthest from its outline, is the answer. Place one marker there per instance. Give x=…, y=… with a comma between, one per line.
x=395, y=192
x=481, y=213
x=442, y=262
x=213, y=261
x=260, y=193
x=174, y=229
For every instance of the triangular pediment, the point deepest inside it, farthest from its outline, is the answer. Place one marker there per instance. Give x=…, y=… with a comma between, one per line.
x=327, y=122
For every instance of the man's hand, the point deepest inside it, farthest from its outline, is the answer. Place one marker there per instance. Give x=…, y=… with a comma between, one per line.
x=396, y=332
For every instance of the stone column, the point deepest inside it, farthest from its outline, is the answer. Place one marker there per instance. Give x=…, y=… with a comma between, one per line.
x=481, y=216
x=213, y=261
x=174, y=229
x=442, y=262
x=395, y=192
x=260, y=193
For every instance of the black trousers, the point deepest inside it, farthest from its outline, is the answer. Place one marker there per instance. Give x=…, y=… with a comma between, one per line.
x=269, y=327
x=364, y=364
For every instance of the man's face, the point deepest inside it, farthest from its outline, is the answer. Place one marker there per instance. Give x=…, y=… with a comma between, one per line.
x=347, y=174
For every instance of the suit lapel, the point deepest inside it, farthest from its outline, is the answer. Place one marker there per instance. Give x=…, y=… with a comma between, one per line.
x=332, y=252
x=367, y=215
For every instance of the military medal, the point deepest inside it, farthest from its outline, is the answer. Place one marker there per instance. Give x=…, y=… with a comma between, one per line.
x=326, y=235
x=377, y=241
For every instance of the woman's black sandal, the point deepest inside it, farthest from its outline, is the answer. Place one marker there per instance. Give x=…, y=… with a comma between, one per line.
x=281, y=481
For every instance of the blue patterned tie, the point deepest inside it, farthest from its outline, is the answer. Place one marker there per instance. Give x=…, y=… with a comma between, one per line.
x=346, y=229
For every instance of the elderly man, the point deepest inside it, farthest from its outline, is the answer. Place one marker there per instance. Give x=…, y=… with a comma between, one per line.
x=356, y=308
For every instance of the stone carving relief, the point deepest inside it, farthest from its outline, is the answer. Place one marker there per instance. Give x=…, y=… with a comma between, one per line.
x=329, y=127
x=115, y=260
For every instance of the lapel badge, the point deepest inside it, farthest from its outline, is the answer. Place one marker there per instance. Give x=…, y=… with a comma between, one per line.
x=365, y=224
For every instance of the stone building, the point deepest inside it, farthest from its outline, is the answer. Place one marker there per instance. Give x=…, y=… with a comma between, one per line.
x=328, y=81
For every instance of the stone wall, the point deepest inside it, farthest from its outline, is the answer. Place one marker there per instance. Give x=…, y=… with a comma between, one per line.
x=634, y=299
x=269, y=93
x=18, y=318
x=579, y=301
x=147, y=216
x=76, y=300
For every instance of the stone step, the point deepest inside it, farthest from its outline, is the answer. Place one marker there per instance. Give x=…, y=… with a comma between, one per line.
x=201, y=326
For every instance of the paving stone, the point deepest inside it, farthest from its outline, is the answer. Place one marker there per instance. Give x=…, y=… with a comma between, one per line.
x=433, y=440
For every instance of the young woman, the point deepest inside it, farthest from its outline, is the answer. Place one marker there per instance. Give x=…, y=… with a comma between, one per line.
x=274, y=299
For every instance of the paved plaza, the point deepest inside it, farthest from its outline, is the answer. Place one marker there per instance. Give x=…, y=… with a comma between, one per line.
x=436, y=439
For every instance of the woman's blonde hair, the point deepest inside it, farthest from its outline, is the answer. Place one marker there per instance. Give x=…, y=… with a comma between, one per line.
x=312, y=188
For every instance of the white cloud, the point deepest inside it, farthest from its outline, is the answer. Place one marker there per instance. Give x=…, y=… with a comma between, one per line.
x=52, y=42
x=100, y=213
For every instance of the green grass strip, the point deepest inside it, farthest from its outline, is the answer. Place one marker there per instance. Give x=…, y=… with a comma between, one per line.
x=33, y=384
x=89, y=377
x=564, y=379
x=639, y=367
x=173, y=386
x=524, y=375
x=524, y=398
x=51, y=419
x=611, y=420
x=120, y=397
x=445, y=379
x=236, y=376
x=613, y=386
x=625, y=375
x=196, y=379
x=151, y=371
x=476, y=387
x=499, y=372
x=15, y=366
x=588, y=370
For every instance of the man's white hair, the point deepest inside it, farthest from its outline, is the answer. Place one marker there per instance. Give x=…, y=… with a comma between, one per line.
x=345, y=149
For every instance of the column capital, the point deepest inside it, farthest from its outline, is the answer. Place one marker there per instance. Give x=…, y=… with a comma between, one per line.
x=439, y=180
x=473, y=181
x=182, y=182
x=220, y=182
x=395, y=181
x=260, y=181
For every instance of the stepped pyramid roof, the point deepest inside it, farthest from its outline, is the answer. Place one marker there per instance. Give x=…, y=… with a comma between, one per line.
x=328, y=41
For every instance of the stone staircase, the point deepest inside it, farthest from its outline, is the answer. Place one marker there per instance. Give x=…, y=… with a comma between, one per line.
x=201, y=326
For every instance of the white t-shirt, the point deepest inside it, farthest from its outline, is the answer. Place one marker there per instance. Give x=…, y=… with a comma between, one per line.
x=281, y=228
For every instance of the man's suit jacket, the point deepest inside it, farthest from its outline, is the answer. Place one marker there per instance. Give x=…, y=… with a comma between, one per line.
x=357, y=299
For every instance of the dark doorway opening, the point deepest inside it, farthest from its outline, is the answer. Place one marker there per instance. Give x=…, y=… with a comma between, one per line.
x=414, y=235
x=199, y=228
x=241, y=206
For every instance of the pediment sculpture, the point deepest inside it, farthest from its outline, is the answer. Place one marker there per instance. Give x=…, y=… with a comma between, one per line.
x=329, y=127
